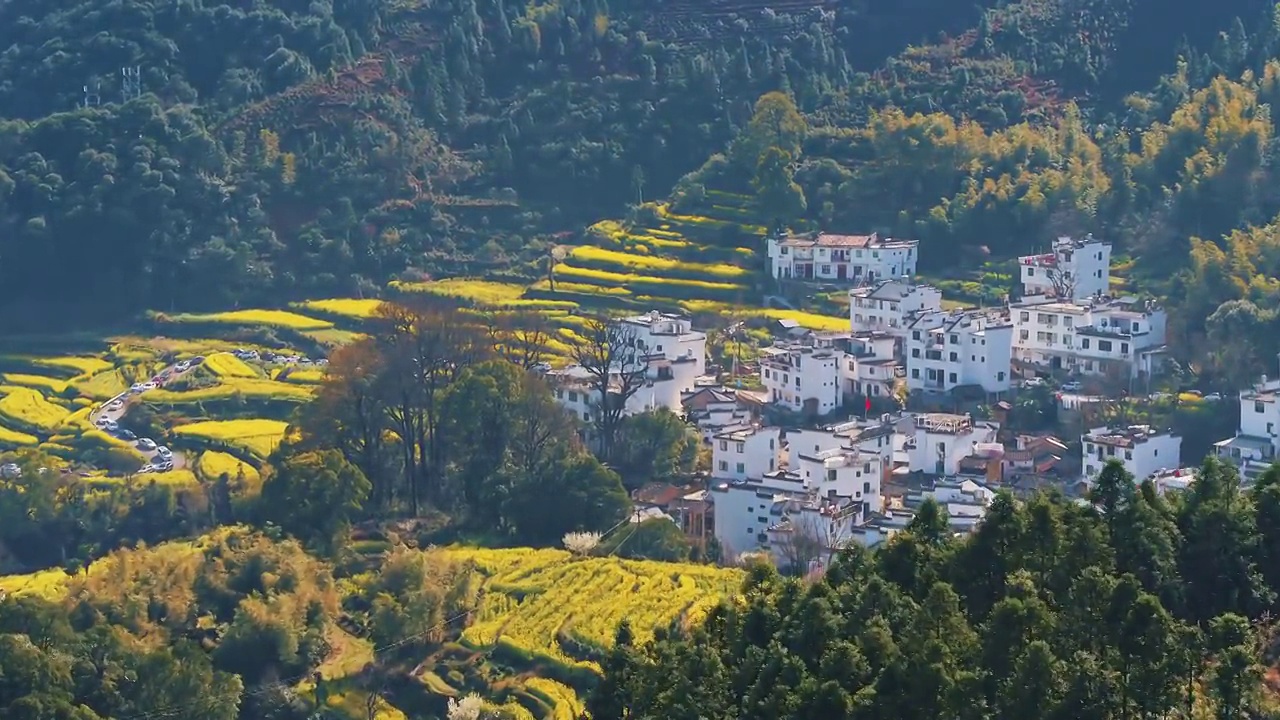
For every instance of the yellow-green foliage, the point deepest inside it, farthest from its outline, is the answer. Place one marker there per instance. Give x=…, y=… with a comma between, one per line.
x=213, y=465
x=269, y=318
x=258, y=436
x=572, y=287
x=245, y=388
x=631, y=263
x=27, y=409
x=13, y=438
x=346, y=307
x=696, y=220
x=607, y=278
x=77, y=422
x=564, y=701
x=531, y=596
x=613, y=231
x=39, y=382
x=227, y=365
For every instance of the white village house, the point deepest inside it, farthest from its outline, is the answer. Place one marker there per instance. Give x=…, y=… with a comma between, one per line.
x=1075, y=269
x=856, y=259
x=946, y=350
x=1115, y=337
x=1142, y=450
x=940, y=441
x=1256, y=444
x=671, y=336
x=889, y=305
x=803, y=376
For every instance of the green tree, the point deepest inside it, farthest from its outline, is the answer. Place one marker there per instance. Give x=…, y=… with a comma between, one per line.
x=654, y=446
x=314, y=496
x=779, y=196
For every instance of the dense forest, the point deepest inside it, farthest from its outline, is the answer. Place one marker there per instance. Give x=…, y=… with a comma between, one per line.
x=273, y=150
x=1138, y=606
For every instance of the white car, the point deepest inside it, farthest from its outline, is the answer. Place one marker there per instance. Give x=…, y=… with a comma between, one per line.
x=150, y=386
x=146, y=444
x=1071, y=387
x=137, y=388
x=164, y=452
x=115, y=404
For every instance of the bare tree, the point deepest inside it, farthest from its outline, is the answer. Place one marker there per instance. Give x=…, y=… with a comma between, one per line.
x=610, y=355
x=808, y=536
x=521, y=338
x=1064, y=286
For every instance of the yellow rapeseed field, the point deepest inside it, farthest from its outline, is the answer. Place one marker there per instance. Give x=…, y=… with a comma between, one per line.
x=629, y=262
x=39, y=382
x=354, y=308
x=46, y=584
x=75, y=365
x=213, y=465
x=246, y=388
x=258, y=436
x=229, y=366
x=13, y=438
x=173, y=478
x=608, y=278
x=269, y=318
x=563, y=700
x=533, y=596
x=26, y=409
x=483, y=292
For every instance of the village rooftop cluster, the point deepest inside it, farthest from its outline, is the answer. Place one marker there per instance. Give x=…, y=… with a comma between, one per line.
x=779, y=487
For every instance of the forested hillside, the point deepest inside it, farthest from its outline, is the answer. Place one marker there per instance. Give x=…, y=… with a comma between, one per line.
x=276, y=150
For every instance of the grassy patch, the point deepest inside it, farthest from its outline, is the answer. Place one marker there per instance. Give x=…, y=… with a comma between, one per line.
x=268, y=318
x=257, y=436
x=27, y=409
x=226, y=365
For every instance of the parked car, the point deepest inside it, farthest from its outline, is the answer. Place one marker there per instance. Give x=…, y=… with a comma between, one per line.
x=1071, y=387
x=149, y=386
x=183, y=366
x=127, y=435
x=197, y=360
x=137, y=388
x=1213, y=397
x=146, y=444
x=164, y=452
x=115, y=404
x=165, y=466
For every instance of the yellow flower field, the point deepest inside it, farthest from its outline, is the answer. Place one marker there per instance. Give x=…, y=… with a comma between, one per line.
x=246, y=388
x=483, y=292
x=46, y=584
x=304, y=377
x=13, y=438
x=229, y=366
x=269, y=318
x=39, y=382
x=81, y=366
x=564, y=701
x=346, y=307
x=659, y=265
x=103, y=385
x=213, y=465
x=173, y=478
x=333, y=337
x=603, y=276
x=258, y=436
x=572, y=287
x=25, y=408
x=531, y=597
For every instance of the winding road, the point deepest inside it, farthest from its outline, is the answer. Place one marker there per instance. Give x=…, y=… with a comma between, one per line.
x=110, y=410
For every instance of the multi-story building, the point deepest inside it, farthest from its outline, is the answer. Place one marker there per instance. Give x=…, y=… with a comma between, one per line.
x=803, y=376
x=661, y=386
x=843, y=472
x=1072, y=270
x=874, y=436
x=1123, y=338
x=889, y=306
x=940, y=441
x=1142, y=450
x=1256, y=444
x=746, y=453
x=715, y=409
x=671, y=336
x=946, y=350
x=855, y=259
x=870, y=365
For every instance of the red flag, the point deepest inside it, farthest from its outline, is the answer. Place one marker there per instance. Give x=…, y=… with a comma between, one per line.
x=868, y=404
